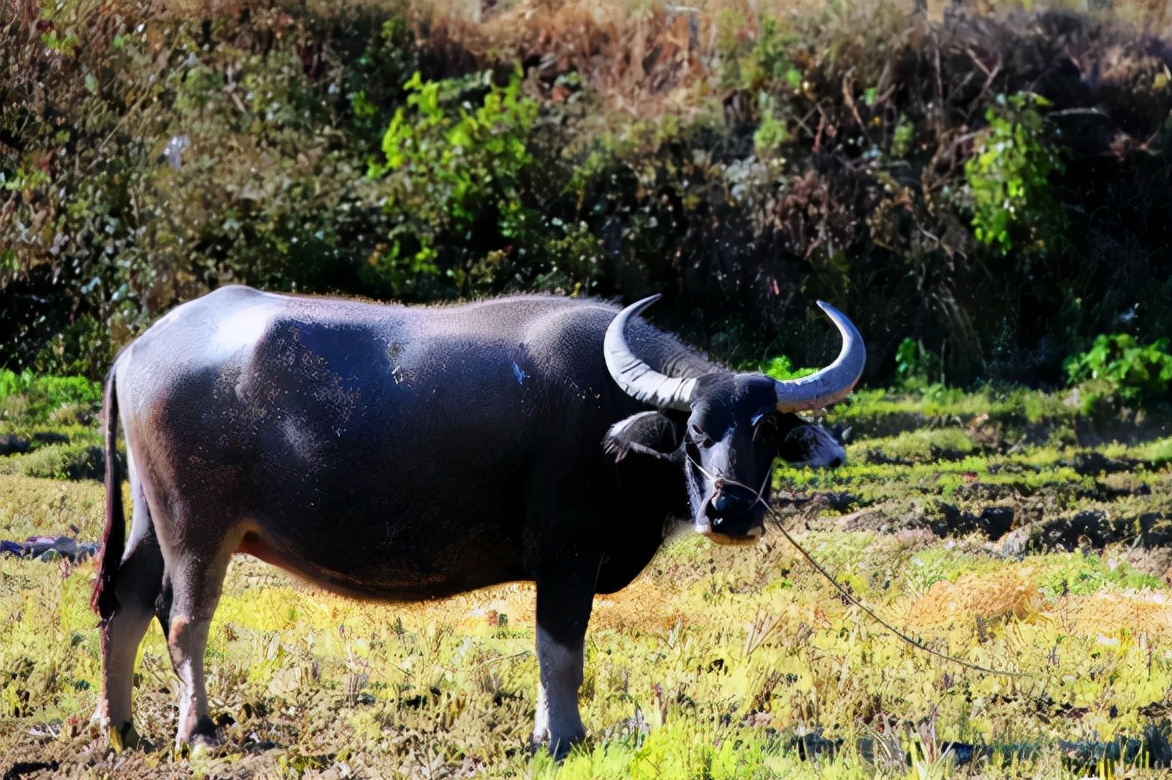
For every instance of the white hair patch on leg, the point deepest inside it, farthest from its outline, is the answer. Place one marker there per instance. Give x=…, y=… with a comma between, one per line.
x=558, y=720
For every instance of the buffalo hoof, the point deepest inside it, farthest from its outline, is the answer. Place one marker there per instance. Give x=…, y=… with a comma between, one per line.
x=558, y=750
x=203, y=738
x=125, y=737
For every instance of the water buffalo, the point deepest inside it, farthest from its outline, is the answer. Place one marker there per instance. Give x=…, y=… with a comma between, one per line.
x=395, y=453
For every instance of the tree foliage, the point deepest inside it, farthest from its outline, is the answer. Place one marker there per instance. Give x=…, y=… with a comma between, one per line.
x=929, y=178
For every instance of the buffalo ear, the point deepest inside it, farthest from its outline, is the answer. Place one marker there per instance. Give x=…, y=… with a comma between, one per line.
x=810, y=444
x=646, y=433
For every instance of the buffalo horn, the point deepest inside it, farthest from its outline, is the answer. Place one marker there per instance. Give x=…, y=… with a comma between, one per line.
x=635, y=377
x=832, y=383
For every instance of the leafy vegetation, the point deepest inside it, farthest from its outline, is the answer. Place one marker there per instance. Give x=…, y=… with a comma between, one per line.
x=1117, y=370
x=916, y=368
x=34, y=399
x=919, y=172
x=72, y=460
x=1009, y=175
x=446, y=170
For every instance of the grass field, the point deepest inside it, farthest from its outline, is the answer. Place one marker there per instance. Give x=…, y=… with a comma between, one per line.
x=1004, y=530
x=999, y=531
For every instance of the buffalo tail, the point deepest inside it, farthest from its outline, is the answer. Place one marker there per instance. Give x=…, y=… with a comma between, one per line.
x=104, y=600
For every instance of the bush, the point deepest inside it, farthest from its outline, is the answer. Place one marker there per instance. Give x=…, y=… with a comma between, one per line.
x=1009, y=176
x=915, y=367
x=62, y=461
x=1119, y=371
x=34, y=400
x=745, y=165
x=452, y=181
x=162, y=156
x=782, y=368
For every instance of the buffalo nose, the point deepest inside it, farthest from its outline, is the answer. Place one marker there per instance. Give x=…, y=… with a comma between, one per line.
x=724, y=505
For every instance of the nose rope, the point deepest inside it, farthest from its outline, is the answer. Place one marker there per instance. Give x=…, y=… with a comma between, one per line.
x=842, y=591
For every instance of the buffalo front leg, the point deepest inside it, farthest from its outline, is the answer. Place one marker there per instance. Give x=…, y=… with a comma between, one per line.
x=564, y=602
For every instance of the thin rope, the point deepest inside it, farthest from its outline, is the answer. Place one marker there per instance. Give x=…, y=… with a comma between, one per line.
x=871, y=613
x=845, y=593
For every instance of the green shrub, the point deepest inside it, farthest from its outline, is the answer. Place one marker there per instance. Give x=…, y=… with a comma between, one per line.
x=769, y=61
x=32, y=399
x=1119, y=370
x=781, y=367
x=61, y=461
x=452, y=169
x=771, y=136
x=12, y=383
x=916, y=368
x=1009, y=177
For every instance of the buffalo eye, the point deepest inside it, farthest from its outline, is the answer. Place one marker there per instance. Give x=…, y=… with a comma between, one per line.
x=765, y=432
x=702, y=439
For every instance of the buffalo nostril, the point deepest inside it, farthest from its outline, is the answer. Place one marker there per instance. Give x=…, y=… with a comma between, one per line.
x=835, y=463
x=717, y=507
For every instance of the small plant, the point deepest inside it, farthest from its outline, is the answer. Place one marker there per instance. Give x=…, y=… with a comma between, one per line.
x=1009, y=177
x=781, y=367
x=916, y=367
x=903, y=138
x=772, y=133
x=769, y=63
x=1117, y=369
x=12, y=383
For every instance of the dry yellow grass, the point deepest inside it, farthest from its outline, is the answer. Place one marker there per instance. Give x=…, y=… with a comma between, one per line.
x=1113, y=614
x=646, y=57
x=710, y=644
x=1013, y=594
x=265, y=596
x=991, y=596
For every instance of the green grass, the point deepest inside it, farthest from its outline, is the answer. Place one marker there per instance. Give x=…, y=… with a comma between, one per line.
x=944, y=403
x=710, y=665
x=712, y=649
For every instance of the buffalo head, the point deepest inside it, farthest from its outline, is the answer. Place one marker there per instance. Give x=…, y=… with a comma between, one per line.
x=725, y=428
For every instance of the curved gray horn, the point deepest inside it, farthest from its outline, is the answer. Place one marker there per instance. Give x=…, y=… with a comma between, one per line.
x=636, y=378
x=832, y=383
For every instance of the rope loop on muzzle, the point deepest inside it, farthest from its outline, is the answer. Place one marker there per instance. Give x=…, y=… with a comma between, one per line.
x=720, y=483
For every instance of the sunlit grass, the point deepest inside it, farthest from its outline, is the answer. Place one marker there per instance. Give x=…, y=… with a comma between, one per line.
x=738, y=648
x=713, y=663
x=31, y=507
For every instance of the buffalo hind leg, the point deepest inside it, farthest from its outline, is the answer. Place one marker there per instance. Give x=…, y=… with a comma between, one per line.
x=138, y=582
x=564, y=601
x=195, y=586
